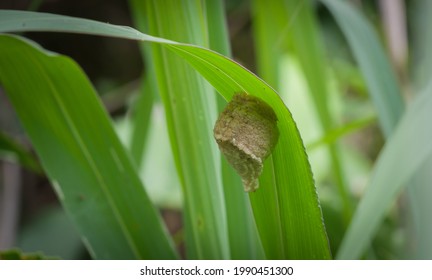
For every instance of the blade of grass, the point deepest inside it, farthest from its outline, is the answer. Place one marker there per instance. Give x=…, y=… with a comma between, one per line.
x=308, y=48
x=421, y=16
x=293, y=200
x=142, y=110
x=281, y=26
x=242, y=231
x=141, y=114
x=402, y=156
x=419, y=245
x=190, y=106
x=387, y=99
x=373, y=62
x=272, y=21
x=269, y=21
x=78, y=148
x=420, y=228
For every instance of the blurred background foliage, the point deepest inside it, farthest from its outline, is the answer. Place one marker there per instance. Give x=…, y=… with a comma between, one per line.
x=32, y=218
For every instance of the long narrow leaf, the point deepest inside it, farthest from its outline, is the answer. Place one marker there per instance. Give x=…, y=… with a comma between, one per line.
x=375, y=67
x=387, y=98
x=419, y=194
x=402, y=156
x=81, y=153
x=308, y=48
x=271, y=24
x=242, y=231
x=190, y=107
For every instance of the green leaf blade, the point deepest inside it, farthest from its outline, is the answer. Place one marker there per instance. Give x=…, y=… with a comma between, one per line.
x=397, y=163
x=190, y=106
x=242, y=231
x=372, y=60
x=83, y=157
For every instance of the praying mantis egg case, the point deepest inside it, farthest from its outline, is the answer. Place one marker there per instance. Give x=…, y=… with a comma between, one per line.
x=246, y=133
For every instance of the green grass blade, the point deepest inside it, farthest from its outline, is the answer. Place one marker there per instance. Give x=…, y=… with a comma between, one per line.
x=404, y=153
x=283, y=25
x=308, y=48
x=420, y=228
x=190, y=106
x=142, y=111
x=79, y=150
x=420, y=42
x=372, y=60
x=140, y=119
x=292, y=23
x=269, y=23
x=217, y=27
x=385, y=94
x=242, y=231
x=290, y=182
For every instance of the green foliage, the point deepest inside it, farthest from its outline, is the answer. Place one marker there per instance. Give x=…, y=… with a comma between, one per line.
x=93, y=176
x=186, y=51
x=286, y=205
